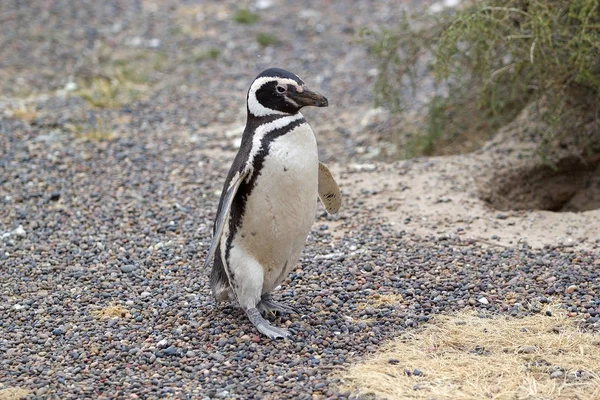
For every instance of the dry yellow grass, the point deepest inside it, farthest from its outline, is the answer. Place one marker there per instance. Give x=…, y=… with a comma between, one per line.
x=465, y=357
x=377, y=300
x=13, y=393
x=112, y=311
x=24, y=113
x=94, y=133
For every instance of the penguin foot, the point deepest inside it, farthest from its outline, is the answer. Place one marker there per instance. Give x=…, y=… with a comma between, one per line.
x=264, y=327
x=267, y=305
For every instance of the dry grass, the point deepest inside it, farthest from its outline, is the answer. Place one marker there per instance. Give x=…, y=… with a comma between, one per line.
x=104, y=92
x=464, y=357
x=377, y=300
x=112, y=78
x=187, y=17
x=13, y=393
x=24, y=113
x=97, y=132
x=112, y=311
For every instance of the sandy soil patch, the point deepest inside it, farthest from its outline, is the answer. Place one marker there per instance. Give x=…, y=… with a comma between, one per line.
x=112, y=311
x=13, y=393
x=438, y=196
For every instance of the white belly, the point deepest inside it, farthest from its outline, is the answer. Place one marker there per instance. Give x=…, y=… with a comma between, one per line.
x=281, y=209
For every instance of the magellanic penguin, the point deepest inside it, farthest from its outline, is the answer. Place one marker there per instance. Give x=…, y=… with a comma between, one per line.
x=269, y=199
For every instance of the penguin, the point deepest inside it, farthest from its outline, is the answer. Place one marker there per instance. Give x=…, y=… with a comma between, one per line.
x=269, y=200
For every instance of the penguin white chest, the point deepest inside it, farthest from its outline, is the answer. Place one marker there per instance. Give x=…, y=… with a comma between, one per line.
x=282, y=206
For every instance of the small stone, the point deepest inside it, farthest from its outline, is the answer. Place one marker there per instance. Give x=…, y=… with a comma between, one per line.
x=128, y=268
x=362, y=167
x=58, y=331
x=527, y=349
x=190, y=354
x=556, y=374
x=154, y=43
x=171, y=351
x=144, y=294
x=571, y=289
x=163, y=343
x=483, y=300
x=19, y=231
x=417, y=372
x=263, y=4
x=369, y=311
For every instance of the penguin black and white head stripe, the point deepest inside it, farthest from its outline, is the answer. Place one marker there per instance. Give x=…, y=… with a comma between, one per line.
x=269, y=198
x=279, y=92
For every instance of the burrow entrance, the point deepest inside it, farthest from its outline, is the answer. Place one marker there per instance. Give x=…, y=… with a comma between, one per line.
x=571, y=186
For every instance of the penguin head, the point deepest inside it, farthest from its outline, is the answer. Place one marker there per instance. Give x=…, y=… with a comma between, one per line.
x=277, y=91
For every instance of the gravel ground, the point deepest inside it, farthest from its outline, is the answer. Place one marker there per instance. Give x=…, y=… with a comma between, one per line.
x=113, y=206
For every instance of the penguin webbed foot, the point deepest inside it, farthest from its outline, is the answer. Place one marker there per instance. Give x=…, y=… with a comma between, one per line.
x=267, y=305
x=264, y=327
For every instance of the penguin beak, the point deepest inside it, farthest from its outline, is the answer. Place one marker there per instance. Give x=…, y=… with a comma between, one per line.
x=307, y=97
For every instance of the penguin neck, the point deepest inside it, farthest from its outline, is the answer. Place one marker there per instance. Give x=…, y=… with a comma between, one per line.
x=254, y=123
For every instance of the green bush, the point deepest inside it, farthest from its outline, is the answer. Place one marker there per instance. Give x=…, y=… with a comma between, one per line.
x=497, y=56
x=266, y=39
x=245, y=16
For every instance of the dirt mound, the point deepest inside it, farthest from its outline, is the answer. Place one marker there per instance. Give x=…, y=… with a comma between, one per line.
x=504, y=194
x=523, y=175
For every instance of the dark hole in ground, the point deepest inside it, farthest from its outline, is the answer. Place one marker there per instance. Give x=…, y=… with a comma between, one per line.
x=572, y=185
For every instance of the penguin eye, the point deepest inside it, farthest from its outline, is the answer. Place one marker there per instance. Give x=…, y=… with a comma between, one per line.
x=280, y=89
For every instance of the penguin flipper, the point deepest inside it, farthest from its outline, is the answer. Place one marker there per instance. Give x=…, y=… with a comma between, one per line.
x=223, y=215
x=329, y=192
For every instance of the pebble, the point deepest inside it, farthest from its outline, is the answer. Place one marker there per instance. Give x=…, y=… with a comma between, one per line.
x=19, y=231
x=527, y=349
x=171, y=351
x=556, y=374
x=128, y=268
x=369, y=311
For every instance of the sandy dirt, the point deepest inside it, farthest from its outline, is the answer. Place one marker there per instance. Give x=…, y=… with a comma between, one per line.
x=438, y=196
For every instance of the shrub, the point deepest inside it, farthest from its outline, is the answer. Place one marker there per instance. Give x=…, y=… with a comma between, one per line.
x=498, y=56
